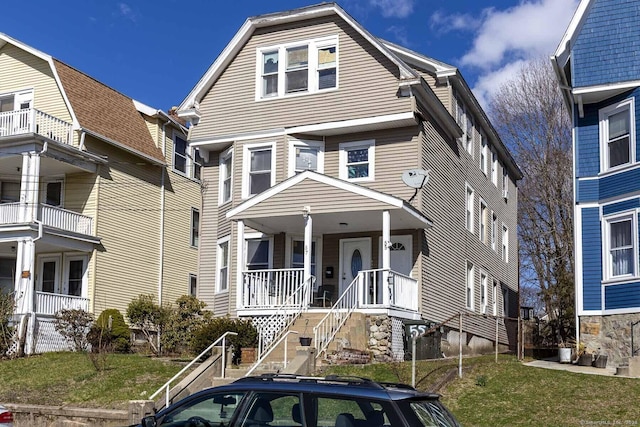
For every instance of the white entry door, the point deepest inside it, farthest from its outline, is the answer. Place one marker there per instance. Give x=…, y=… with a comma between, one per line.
x=355, y=257
x=401, y=255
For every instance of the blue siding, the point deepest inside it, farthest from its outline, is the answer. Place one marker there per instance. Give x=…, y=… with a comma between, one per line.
x=591, y=259
x=620, y=206
x=606, y=48
x=587, y=142
x=622, y=296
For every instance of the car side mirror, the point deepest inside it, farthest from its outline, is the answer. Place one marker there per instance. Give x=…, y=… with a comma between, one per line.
x=149, y=421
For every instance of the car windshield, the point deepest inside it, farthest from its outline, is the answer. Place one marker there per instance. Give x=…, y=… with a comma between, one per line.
x=431, y=413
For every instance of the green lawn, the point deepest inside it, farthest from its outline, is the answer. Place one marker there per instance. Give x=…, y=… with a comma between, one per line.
x=506, y=393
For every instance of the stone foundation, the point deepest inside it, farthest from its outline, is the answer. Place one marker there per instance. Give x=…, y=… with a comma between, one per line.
x=610, y=335
x=380, y=334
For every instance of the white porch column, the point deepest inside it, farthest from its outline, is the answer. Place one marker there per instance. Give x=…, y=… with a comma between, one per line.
x=308, y=242
x=240, y=291
x=386, y=256
x=25, y=277
x=29, y=187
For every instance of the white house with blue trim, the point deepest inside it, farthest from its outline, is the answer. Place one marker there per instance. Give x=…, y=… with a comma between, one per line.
x=598, y=65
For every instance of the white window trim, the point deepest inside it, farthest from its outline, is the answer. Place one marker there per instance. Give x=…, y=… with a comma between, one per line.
x=484, y=291
x=312, y=82
x=191, y=235
x=289, y=251
x=469, y=206
x=227, y=240
x=505, y=183
x=189, y=158
x=43, y=189
x=67, y=257
x=227, y=154
x=257, y=236
x=494, y=167
x=603, y=115
x=193, y=276
x=295, y=143
x=484, y=154
x=494, y=231
x=607, y=269
x=482, y=220
x=505, y=243
x=494, y=296
x=246, y=165
x=470, y=278
x=370, y=144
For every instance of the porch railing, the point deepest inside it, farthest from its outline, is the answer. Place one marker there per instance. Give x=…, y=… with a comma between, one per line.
x=52, y=216
x=31, y=120
x=271, y=288
x=47, y=303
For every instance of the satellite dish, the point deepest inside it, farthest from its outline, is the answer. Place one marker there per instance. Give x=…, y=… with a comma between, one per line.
x=415, y=178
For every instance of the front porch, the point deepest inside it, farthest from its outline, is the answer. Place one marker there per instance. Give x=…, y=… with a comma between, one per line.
x=282, y=289
x=50, y=216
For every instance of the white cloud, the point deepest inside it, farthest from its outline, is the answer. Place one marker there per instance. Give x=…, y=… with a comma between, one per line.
x=531, y=29
x=393, y=8
x=400, y=35
x=488, y=83
x=127, y=12
x=442, y=23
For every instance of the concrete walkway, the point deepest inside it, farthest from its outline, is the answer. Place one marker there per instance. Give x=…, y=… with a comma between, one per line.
x=554, y=364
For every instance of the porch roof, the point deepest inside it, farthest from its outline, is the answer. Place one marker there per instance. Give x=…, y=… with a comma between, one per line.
x=336, y=206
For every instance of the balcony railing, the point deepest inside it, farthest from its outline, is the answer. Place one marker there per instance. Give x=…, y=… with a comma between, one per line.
x=47, y=303
x=31, y=120
x=51, y=216
x=271, y=288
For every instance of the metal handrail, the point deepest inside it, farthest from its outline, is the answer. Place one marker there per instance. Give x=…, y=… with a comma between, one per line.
x=268, y=352
x=166, y=386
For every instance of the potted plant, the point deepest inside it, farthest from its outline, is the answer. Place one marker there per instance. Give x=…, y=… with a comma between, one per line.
x=583, y=357
x=564, y=352
x=304, y=339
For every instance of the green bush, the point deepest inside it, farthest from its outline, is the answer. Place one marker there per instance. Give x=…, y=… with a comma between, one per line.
x=148, y=317
x=213, y=328
x=181, y=322
x=110, y=333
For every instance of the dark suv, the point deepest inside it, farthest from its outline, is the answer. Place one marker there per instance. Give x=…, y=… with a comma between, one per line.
x=293, y=401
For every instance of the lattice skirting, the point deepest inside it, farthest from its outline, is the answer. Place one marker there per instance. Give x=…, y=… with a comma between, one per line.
x=397, y=339
x=46, y=338
x=269, y=326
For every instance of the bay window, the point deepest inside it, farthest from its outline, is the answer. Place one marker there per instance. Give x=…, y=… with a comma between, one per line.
x=621, y=249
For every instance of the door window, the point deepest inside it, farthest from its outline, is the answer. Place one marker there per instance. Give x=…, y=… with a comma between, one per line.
x=49, y=282
x=76, y=273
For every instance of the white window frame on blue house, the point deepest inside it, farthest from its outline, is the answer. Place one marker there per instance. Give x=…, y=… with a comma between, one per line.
x=313, y=67
x=608, y=269
x=605, y=114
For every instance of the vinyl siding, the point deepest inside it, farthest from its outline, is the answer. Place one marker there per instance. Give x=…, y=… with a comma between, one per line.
x=128, y=225
x=591, y=238
x=622, y=296
x=21, y=70
x=605, y=49
x=365, y=77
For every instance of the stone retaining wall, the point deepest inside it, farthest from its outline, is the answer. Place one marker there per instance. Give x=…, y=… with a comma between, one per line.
x=610, y=335
x=62, y=416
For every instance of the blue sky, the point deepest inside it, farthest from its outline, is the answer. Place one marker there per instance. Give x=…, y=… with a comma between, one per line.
x=156, y=52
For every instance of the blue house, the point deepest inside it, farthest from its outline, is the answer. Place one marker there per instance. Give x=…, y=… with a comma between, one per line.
x=598, y=66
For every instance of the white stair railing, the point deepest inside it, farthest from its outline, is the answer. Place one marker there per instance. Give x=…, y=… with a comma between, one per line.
x=328, y=327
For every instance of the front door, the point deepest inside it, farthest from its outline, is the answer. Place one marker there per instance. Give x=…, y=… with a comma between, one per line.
x=49, y=274
x=74, y=275
x=400, y=254
x=355, y=257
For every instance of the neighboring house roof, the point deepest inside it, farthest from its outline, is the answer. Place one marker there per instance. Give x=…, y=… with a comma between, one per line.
x=98, y=109
x=284, y=208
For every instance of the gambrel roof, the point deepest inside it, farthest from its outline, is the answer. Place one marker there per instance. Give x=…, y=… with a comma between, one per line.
x=97, y=109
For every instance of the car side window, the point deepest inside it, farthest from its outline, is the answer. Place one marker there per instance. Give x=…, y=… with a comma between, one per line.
x=272, y=409
x=208, y=410
x=349, y=412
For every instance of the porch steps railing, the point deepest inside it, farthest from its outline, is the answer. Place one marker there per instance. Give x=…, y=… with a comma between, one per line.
x=270, y=332
x=48, y=303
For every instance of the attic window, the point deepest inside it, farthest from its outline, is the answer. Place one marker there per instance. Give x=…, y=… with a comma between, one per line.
x=305, y=67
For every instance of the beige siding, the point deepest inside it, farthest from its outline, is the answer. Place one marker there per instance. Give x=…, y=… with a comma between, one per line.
x=366, y=78
x=128, y=224
x=21, y=70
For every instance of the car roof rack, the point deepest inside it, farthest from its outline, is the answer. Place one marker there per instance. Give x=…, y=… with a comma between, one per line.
x=344, y=379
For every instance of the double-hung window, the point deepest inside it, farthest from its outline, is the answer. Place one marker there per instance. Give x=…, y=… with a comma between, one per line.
x=483, y=222
x=484, y=283
x=469, y=208
x=494, y=230
x=258, y=252
x=186, y=160
x=621, y=246
x=469, y=279
x=195, y=227
x=306, y=155
x=505, y=182
x=357, y=160
x=494, y=167
x=258, y=169
x=297, y=255
x=304, y=67
x=226, y=169
x=223, y=256
x=505, y=243
x=484, y=154
x=617, y=135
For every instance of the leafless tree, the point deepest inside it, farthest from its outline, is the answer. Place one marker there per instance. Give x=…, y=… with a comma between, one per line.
x=529, y=114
